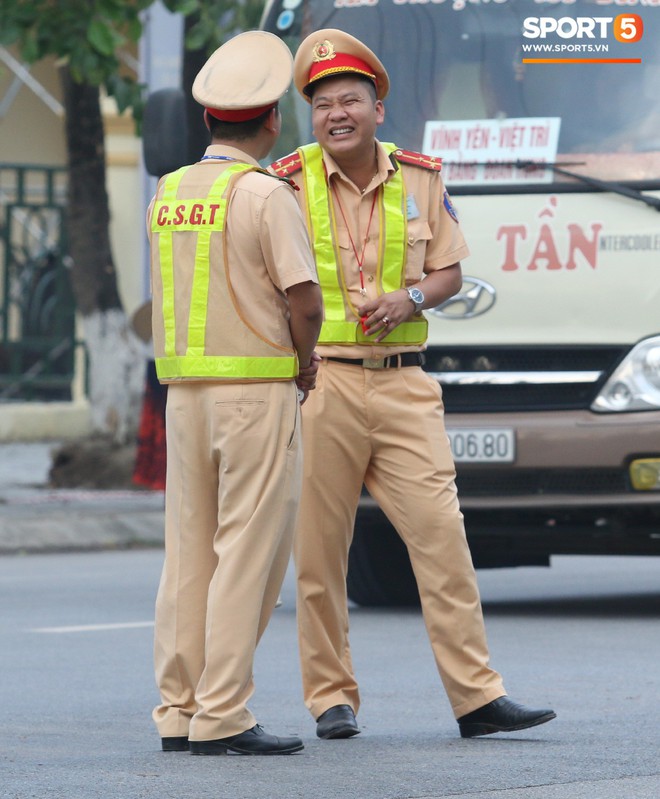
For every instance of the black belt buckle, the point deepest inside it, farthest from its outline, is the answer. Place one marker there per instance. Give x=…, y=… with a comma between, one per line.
x=389, y=362
x=395, y=361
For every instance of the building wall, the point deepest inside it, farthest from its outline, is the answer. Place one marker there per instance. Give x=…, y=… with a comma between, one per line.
x=32, y=132
x=127, y=212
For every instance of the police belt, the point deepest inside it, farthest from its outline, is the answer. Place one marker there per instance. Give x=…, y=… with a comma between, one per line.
x=390, y=362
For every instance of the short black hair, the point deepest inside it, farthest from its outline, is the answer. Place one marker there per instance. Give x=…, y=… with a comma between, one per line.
x=237, y=131
x=312, y=87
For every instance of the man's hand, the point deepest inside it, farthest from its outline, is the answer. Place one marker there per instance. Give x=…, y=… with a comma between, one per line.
x=382, y=315
x=306, y=379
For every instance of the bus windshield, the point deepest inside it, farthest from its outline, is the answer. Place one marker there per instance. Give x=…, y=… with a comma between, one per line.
x=490, y=82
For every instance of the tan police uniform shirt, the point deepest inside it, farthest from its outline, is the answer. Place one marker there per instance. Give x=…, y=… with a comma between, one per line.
x=435, y=239
x=267, y=249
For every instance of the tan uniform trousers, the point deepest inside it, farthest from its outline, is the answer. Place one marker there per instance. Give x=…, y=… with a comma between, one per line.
x=233, y=484
x=384, y=427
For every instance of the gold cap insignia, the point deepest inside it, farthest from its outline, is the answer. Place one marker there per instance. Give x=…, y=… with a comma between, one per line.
x=323, y=51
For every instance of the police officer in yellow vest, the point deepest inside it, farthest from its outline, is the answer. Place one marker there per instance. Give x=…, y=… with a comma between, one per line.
x=236, y=314
x=387, y=245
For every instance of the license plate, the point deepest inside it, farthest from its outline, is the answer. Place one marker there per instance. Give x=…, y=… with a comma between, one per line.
x=482, y=445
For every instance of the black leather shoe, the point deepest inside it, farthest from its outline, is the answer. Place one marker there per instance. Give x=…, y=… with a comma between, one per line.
x=177, y=743
x=501, y=715
x=337, y=722
x=250, y=742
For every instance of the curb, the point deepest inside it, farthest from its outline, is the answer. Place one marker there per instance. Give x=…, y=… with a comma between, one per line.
x=41, y=522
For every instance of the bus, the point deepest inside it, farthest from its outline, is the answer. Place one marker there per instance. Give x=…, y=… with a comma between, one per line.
x=547, y=116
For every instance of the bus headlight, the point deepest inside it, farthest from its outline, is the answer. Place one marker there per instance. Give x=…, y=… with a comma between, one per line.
x=635, y=383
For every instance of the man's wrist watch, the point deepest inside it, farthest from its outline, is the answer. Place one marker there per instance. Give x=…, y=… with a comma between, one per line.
x=417, y=297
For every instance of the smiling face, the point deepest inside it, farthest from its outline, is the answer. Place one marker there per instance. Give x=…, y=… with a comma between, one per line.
x=345, y=115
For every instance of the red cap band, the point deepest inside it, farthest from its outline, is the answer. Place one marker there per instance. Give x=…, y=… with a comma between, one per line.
x=239, y=114
x=339, y=64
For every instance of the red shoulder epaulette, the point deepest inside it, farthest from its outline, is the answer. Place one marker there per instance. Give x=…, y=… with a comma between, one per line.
x=418, y=159
x=288, y=165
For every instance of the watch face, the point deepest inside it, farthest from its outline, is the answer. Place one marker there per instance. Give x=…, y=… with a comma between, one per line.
x=416, y=296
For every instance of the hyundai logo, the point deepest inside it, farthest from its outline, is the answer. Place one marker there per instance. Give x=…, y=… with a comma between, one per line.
x=475, y=298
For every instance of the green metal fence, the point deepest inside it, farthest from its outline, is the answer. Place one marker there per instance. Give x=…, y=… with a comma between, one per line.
x=37, y=310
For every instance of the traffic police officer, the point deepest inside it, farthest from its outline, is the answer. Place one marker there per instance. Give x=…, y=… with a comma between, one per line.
x=387, y=245
x=236, y=313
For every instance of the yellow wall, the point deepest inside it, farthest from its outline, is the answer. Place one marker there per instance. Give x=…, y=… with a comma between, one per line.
x=30, y=132
x=127, y=226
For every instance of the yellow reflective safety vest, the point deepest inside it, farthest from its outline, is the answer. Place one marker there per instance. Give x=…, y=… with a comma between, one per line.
x=182, y=237
x=341, y=323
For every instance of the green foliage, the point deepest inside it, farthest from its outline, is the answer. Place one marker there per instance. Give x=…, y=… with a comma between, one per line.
x=89, y=36
x=218, y=20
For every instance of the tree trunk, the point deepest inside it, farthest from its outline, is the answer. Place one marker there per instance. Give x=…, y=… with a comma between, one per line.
x=93, y=270
x=116, y=356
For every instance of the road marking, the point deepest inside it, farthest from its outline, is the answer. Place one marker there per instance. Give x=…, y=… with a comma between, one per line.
x=86, y=628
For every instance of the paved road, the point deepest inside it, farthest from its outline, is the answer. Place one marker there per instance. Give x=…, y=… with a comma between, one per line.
x=77, y=691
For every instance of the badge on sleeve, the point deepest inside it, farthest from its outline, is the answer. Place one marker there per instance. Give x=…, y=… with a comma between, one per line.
x=411, y=207
x=449, y=207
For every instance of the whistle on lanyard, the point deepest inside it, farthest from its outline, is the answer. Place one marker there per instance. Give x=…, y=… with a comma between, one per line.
x=363, y=322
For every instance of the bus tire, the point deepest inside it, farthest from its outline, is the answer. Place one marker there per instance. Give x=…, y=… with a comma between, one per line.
x=165, y=132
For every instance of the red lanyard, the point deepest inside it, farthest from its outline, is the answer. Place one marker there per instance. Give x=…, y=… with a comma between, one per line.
x=359, y=258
